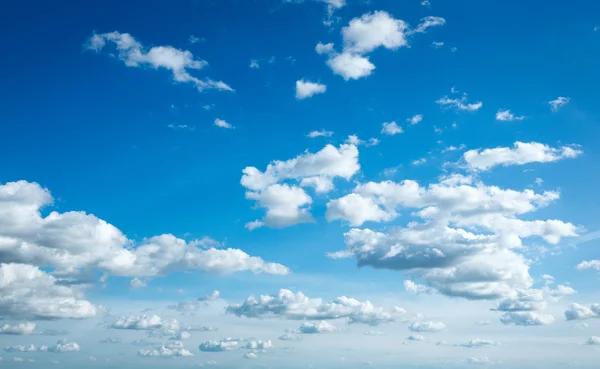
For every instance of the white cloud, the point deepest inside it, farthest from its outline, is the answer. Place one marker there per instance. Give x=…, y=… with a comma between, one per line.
x=254, y=64
x=415, y=337
x=306, y=89
x=593, y=340
x=64, y=346
x=420, y=161
x=259, y=345
x=194, y=39
x=372, y=30
x=329, y=162
x=391, y=128
x=18, y=328
x=356, y=210
x=527, y=318
x=558, y=103
x=437, y=44
x=314, y=328
x=214, y=296
x=324, y=48
x=474, y=262
x=178, y=62
x=351, y=66
x=222, y=124
x=478, y=360
x=286, y=205
x=321, y=133
x=297, y=306
x=137, y=283
x=521, y=153
x=426, y=3
x=478, y=343
x=111, y=340
x=320, y=184
x=415, y=288
x=427, y=326
x=460, y=104
x=581, y=312
x=227, y=344
x=454, y=148
x=173, y=349
x=415, y=119
x=250, y=355
x=428, y=22
x=290, y=337
x=143, y=322
x=507, y=116
x=589, y=264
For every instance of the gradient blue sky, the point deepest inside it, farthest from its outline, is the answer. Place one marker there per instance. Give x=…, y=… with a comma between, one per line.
x=141, y=151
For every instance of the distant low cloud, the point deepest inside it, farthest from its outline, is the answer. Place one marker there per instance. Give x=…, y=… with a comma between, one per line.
x=507, y=116
x=558, y=103
x=222, y=124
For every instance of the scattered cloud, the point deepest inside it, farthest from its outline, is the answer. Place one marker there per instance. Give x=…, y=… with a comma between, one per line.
x=459, y=104
x=306, y=89
x=222, y=124
x=521, y=153
x=507, y=116
x=558, y=103
x=254, y=64
x=133, y=54
x=18, y=329
x=391, y=128
x=415, y=119
x=321, y=133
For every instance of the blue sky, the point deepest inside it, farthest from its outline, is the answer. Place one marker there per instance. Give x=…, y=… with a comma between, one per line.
x=431, y=159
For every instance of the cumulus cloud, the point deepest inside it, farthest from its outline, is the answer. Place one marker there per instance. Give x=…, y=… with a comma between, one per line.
x=321, y=133
x=306, y=89
x=137, y=283
x=391, y=128
x=507, y=116
x=459, y=104
x=111, y=340
x=286, y=204
x=427, y=326
x=222, y=124
x=478, y=343
x=521, y=153
x=226, y=344
x=69, y=242
x=18, y=329
x=366, y=33
x=415, y=288
x=173, y=349
x=580, y=312
x=415, y=337
x=133, y=54
x=143, y=322
x=60, y=347
x=593, y=340
x=478, y=360
x=415, y=119
x=290, y=337
x=314, y=328
x=465, y=245
x=558, y=103
x=589, y=264
x=259, y=345
x=296, y=306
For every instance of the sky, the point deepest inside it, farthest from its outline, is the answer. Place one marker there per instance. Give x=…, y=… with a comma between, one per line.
x=299, y=184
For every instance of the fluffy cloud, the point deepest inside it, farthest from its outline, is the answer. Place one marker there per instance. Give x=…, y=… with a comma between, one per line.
x=28, y=292
x=391, y=128
x=558, y=103
x=227, y=344
x=427, y=326
x=289, y=305
x=314, y=328
x=521, y=153
x=69, y=242
x=527, y=318
x=507, y=116
x=137, y=283
x=173, y=349
x=329, y=162
x=60, y=347
x=222, y=124
x=415, y=119
x=259, y=345
x=589, y=264
x=415, y=288
x=289, y=204
x=460, y=104
x=581, y=312
x=478, y=343
x=306, y=89
x=134, y=54
x=143, y=322
x=321, y=133
x=286, y=205
x=290, y=337
x=18, y=328
x=452, y=260
x=593, y=340
x=415, y=337
x=214, y=296
x=363, y=35
x=478, y=360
